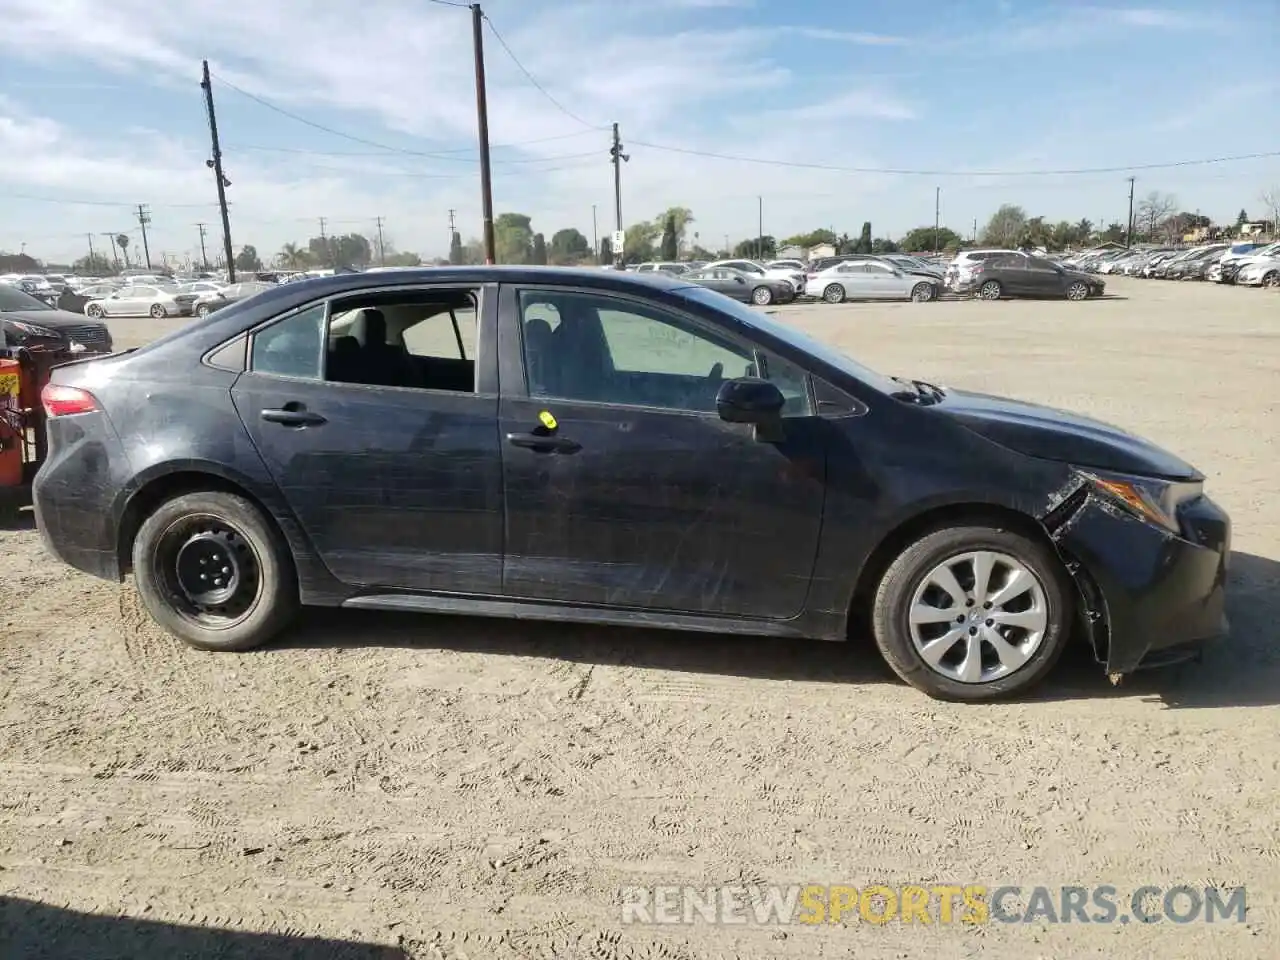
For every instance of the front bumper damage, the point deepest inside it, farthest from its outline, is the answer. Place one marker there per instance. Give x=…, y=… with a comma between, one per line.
x=1149, y=596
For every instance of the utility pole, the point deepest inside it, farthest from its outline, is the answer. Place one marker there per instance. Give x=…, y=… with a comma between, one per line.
x=115, y=253
x=618, y=157
x=92, y=256
x=204, y=257
x=215, y=164
x=452, y=228
x=382, y=249
x=1128, y=234
x=144, y=218
x=975, y=230
x=324, y=244
x=482, y=122
x=759, y=227
x=937, y=216
x=595, y=236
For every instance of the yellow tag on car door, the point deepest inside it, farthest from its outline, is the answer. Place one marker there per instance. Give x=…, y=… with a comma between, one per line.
x=547, y=420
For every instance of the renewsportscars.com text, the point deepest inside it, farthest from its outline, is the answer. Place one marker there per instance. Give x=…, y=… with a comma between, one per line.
x=880, y=904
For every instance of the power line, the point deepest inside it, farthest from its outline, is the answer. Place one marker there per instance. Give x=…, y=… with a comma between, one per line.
x=318, y=153
x=955, y=173
x=442, y=154
x=540, y=88
x=70, y=201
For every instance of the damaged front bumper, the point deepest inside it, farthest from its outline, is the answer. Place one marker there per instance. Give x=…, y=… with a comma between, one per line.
x=1150, y=596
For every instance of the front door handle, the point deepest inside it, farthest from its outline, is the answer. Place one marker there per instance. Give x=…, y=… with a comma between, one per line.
x=531, y=441
x=293, y=415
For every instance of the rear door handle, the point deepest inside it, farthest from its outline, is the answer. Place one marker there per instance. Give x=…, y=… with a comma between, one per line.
x=531, y=441
x=293, y=415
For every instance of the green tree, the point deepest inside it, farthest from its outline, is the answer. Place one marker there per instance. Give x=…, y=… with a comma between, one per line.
x=456, y=255
x=845, y=244
x=1035, y=233
x=864, y=239
x=922, y=240
x=670, y=242
x=606, y=251
x=294, y=257
x=1242, y=217
x=539, y=250
x=811, y=239
x=1005, y=228
x=679, y=218
x=639, y=245
x=352, y=250
x=248, y=259
x=122, y=241
x=1113, y=234
x=513, y=238
x=92, y=264
x=1084, y=231
x=883, y=245
x=761, y=248
x=568, y=246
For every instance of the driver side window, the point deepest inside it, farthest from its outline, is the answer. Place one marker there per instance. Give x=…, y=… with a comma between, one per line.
x=607, y=350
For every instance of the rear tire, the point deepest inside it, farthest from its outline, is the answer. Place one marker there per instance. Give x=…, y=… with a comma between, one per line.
x=903, y=588
x=762, y=296
x=834, y=293
x=1272, y=279
x=213, y=571
x=93, y=311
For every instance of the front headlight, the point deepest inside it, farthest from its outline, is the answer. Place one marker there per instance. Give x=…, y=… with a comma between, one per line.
x=32, y=330
x=1150, y=498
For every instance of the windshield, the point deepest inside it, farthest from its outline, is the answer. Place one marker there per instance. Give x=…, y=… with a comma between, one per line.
x=12, y=298
x=791, y=336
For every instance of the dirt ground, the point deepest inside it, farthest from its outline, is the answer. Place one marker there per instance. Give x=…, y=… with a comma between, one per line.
x=472, y=788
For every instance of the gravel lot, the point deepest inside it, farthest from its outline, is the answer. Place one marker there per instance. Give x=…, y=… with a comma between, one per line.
x=481, y=789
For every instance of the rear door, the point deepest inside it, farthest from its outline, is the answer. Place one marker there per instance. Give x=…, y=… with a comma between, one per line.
x=639, y=495
x=388, y=459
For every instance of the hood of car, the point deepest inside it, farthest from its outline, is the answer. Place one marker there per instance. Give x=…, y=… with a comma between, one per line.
x=53, y=319
x=1052, y=434
x=1083, y=277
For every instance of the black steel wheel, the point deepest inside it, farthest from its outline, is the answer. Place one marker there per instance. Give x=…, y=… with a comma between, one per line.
x=214, y=571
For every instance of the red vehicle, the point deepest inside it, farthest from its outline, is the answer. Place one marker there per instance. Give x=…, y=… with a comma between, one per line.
x=23, y=374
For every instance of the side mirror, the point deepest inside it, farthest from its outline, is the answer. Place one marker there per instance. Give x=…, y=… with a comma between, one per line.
x=749, y=400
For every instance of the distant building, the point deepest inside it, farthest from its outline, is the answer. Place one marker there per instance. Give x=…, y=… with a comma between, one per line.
x=792, y=252
x=822, y=250
x=1254, y=228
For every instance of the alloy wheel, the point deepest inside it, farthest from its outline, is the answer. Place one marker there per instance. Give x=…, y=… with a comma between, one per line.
x=1077, y=291
x=94, y=311
x=158, y=311
x=833, y=294
x=978, y=616
x=922, y=293
x=762, y=296
x=990, y=290
x=1271, y=280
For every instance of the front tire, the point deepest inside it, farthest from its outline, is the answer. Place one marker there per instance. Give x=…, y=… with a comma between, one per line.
x=762, y=296
x=973, y=613
x=94, y=311
x=202, y=310
x=213, y=571
x=1272, y=279
x=833, y=294
x=991, y=290
x=923, y=292
x=158, y=312
x=1077, y=291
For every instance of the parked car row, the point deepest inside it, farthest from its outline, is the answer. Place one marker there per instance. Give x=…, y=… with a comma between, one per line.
x=1246, y=263
x=996, y=274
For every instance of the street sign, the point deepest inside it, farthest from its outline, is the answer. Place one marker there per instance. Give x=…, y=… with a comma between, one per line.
x=618, y=241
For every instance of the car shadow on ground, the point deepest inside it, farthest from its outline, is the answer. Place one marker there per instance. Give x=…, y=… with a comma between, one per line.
x=1242, y=671
x=40, y=931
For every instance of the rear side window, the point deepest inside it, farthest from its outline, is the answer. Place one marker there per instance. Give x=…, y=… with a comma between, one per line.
x=292, y=347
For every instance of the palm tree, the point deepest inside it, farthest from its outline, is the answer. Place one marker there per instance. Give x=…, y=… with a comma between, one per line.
x=122, y=241
x=294, y=256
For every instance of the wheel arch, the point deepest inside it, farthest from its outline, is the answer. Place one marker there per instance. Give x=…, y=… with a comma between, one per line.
x=163, y=487
x=898, y=538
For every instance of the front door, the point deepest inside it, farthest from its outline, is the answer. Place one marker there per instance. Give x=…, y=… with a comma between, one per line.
x=624, y=488
x=396, y=481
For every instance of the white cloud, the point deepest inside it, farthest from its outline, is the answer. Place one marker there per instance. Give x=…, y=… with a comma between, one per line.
x=850, y=36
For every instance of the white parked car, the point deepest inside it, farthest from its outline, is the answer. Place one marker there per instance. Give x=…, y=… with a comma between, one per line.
x=1229, y=267
x=792, y=276
x=1260, y=273
x=141, y=300
x=872, y=280
x=663, y=266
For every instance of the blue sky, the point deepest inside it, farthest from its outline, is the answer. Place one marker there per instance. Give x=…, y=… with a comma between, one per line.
x=99, y=101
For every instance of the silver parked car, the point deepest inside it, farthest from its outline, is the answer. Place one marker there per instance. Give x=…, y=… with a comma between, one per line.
x=872, y=280
x=141, y=300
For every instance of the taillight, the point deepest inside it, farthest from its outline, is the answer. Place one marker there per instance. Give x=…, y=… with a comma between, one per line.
x=60, y=400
